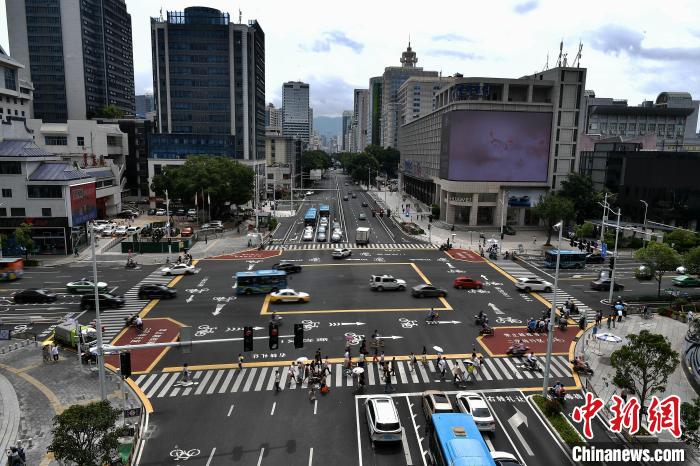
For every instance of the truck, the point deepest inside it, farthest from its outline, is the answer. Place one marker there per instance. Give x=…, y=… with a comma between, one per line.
x=362, y=235
x=66, y=334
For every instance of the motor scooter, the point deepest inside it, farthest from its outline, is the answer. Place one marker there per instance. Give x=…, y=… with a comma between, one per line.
x=517, y=350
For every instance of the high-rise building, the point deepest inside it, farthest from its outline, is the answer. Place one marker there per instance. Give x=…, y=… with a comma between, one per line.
x=374, y=124
x=416, y=96
x=297, y=119
x=392, y=79
x=78, y=54
x=347, y=121
x=144, y=105
x=273, y=119
x=15, y=93
x=361, y=118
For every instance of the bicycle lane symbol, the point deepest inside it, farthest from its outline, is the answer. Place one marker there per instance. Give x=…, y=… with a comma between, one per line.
x=178, y=454
x=407, y=323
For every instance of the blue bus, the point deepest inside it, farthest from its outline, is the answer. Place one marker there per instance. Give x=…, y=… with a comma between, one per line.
x=260, y=281
x=324, y=210
x=569, y=259
x=454, y=440
x=310, y=217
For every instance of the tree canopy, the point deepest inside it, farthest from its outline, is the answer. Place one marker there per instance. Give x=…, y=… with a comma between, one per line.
x=681, y=240
x=691, y=260
x=86, y=434
x=111, y=111
x=644, y=365
x=579, y=189
x=388, y=159
x=315, y=160
x=379, y=160
x=23, y=236
x=660, y=258
x=222, y=178
x=552, y=208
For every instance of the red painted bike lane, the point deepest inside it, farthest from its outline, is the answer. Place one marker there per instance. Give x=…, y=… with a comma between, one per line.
x=159, y=330
x=464, y=255
x=504, y=337
x=248, y=254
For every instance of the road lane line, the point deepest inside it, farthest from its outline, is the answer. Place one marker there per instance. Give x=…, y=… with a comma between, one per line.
x=510, y=365
x=370, y=373
x=272, y=413
x=406, y=450
x=154, y=388
x=203, y=384
x=402, y=372
x=414, y=375
x=227, y=380
x=230, y=410
x=415, y=429
x=215, y=382
x=338, y=375
x=423, y=373
x=315, y=406
x=497, y=362
x=487, y=367
x=311, y=455
x=187, y=390
x=283, y=378
x=357, y=424
x=251, y=377
x=271, y=382
x=167, y=386
x=239, y=379
x=148, y=382
x=262, y=451
x=503, y=429
x=261, y=379
x=211, y=455
x=488, y=442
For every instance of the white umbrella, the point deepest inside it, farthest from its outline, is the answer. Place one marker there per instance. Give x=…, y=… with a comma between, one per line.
x=438, y=349
x=608, y=337
x=302, y=359
x=468, y=361
x=358, y=370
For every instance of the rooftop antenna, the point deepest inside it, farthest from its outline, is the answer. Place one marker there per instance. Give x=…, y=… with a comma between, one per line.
x=577, y=60
x=561, y=53
x=240, y=16
x=161, y=13
x=546, y=65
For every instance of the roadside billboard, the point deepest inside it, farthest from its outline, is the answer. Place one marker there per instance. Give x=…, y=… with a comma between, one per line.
x=83, y=203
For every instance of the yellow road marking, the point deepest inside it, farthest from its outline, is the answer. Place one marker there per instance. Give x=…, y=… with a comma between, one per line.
x=420, y=273
x=336, y=311
x=46, y=391
x=279, y=253
x=142, y=396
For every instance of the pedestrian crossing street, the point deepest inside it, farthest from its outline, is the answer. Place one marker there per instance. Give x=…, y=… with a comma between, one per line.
x=220, y=381
x=113, y=319
x=518, y=271
x=322, y=246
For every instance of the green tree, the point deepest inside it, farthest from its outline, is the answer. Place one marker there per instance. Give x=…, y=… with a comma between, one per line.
x=552, y=208
x=111, y=111
x=691, y=260
x=388, y=158
x=690, y=422
x=222, y=179
x=644, y=365
x=23, y=235
x=681, y=240
x=86, y=434
x=660, y=258
x=585, y=231
x=579, y=189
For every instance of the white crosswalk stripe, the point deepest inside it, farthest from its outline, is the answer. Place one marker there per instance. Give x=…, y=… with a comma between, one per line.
x=518, y=271
x=329, y=246
x=219, y=381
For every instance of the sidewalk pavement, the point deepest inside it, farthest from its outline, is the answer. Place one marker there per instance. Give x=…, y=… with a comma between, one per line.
x=598, y=353
x=33, y=391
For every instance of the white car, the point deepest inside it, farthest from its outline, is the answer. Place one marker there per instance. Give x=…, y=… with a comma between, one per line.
x=309, y=193
x=503, y=458
x=474, y=404
x=178, y=269
x=132, y=229
x=323, y=221
x=191, y=212
x=533, y=284
x=382, y=419
x=336, y=236
x=308, y=235
x=288, y=295
x=120, y=231
x=386, y=282
x=682, y=270
x=341, y=253
x=160, y=212
x=108, y=230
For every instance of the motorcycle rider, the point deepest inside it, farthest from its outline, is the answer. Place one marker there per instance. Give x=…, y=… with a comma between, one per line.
x=432, y=315
x=531, y=361
x=138, y=323
x=558, y=389
x=531, y=324
x=481, y=317
x=274, y=318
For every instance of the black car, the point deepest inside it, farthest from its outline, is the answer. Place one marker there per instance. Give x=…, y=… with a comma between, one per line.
x=425, y=290
x=595, y=258
x=151, y=211
x=34, y=295
x=180, y=212
x=287, y=267
x=152, y=290
x=603, y=284
x=364, y=204
x=126, y=214
x=107, y=301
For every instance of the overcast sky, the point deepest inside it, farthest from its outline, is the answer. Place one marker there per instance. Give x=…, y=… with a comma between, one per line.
x=632, y=49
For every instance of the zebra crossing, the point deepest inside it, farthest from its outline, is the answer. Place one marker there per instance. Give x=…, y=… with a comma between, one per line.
x=329, y=246
x=113, y=319
x=220, y=381
x=518, y=271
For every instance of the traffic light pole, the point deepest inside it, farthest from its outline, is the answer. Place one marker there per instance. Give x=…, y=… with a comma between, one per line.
x=112, y=349
x=612, y=272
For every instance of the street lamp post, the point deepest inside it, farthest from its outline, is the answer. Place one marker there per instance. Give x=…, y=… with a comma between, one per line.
x=552, y=313
x=612, y=272
x=98, y=321
x=503, y=214
x=646, y=206
x=602, y=225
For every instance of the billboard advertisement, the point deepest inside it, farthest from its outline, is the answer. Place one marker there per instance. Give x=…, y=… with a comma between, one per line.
x=495, y=146
x=83, y=203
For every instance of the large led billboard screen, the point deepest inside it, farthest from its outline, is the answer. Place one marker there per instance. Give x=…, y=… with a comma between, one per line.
x=495, y=146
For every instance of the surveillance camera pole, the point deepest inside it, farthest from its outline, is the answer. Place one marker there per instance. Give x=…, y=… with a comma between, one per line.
x=98, y=321
x=552, y=313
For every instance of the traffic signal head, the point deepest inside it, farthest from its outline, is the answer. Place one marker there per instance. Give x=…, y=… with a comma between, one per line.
x=274, y=337
x=612, y=262
x=125, y=364
x=298, y=335
x=247, y=338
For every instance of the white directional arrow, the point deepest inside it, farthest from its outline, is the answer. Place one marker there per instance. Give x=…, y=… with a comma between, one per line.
x=449, y=265
x=203, y=281
x=250, y=266
x=448, y=322
x=393, y=337
x=260, y=328
x=336, y=324
x=495, y=309
x=189, y=300
x=35, y=309
x=484, y=277
x=515, y=420
x=218, y=309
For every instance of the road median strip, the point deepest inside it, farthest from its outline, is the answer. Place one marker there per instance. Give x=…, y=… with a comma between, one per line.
x=564, y=430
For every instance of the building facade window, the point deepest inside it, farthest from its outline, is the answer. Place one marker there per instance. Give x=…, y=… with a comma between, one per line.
x=3, y=212
x=10, y=168
x=80, y=140
x=6, y=192
x=10, y=80
x=56, y=140
x=17, y=212
x=44, y=192
x=46, y=211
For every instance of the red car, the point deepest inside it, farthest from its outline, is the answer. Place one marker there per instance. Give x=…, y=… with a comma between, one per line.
x=467, y=283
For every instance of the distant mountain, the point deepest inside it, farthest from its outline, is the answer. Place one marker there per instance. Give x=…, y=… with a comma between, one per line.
x=328, y=126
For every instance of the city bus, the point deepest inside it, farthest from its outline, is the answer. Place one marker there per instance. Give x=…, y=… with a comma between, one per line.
x=324, y=210
x=11, y=268
x=260, y=281
x=569, y=259
x=454, y=439
x=310, y=217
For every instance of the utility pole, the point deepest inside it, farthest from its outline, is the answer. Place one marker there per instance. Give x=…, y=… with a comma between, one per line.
x=503, y=214
x=605, y=216
x=552, y=313
x=646, y=206
x=612, y=272
x=100, y=355
x=167, y=216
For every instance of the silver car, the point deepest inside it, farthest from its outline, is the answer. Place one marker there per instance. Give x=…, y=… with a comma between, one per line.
x=308, y=235
x=321, y=235
x=336, y=236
